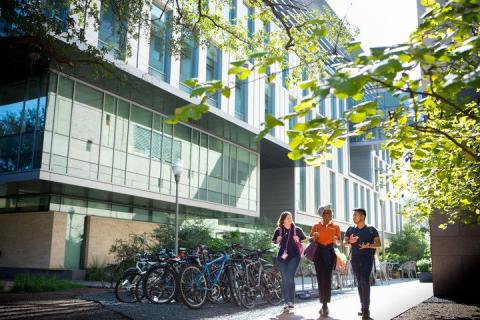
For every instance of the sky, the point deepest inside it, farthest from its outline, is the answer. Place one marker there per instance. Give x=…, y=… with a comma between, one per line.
x=381, y=22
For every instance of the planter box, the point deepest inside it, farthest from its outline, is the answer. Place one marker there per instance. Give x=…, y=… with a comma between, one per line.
x=395, y=274
x=425, y=277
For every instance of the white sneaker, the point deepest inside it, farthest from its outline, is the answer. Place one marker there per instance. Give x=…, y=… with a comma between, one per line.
x=290, y=305
x=285, y=307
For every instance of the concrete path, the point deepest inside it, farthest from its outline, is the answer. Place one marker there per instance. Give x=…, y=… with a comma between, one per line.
x=388, y=301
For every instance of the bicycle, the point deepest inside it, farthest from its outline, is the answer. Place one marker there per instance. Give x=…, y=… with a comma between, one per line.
x=126, y=286
x=199, y=282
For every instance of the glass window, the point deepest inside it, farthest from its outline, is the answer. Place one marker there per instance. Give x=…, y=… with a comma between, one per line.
x=241, y=99
x=375, y=208
x=322, y=107
x=302, y=194
x=214, y=71
x=340, y=160
x=112, y=34
x=317, y=189
x=233, y=12
x=341, y=109
x=285, y=72
x=392, y=223
x=333, y=193
x=369, y=213
x=362, y=197
x=233, y=175
x=188, y=61
x=355, y=195
x=160, y=34
x=251, y=22
x=139, y=146
x=291, y=105
x=346, y=199
x=270, y=101
x=304, y=78
x=12, y=96
x=333, y=100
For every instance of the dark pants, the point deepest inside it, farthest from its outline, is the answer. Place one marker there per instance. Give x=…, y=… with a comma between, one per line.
x=362, y=268
x=325, y=260
x=288, y=269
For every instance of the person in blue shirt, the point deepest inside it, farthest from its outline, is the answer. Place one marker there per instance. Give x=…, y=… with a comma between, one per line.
x=289, y=237
x=363, y=241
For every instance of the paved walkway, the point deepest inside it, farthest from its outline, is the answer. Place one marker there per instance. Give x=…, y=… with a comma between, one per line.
x=388, y=301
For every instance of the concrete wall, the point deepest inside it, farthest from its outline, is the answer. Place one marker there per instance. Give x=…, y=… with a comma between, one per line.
x=101, y=233
x=455, y=260
x=32, y=240
x=277, y=192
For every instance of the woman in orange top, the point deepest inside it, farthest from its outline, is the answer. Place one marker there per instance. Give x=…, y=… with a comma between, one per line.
x=326, y=234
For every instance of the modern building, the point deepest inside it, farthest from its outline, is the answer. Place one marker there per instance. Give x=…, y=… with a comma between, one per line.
x=86, y=160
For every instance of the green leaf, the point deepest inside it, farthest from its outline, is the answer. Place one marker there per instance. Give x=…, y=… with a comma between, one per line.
x=357, y=117
x=338, y=143
x=304, y=106
x=256, y=55
x=239, y=63
x=191, y=82
x=244, y=74
x=354, y=46
x=198, y=91
x=307, y=84
x=226, y=92
x=236, y=70
x=295, y=155
x=271, y=121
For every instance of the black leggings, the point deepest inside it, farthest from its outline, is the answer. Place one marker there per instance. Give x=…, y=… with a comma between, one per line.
x=325, y=260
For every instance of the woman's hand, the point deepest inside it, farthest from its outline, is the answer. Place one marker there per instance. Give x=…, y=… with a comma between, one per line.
x=296, y=239
x=279, y=238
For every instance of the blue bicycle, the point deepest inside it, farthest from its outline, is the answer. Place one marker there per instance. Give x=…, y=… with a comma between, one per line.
x=199, y=282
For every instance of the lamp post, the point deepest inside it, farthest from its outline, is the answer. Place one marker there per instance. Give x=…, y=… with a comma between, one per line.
x=177, y=169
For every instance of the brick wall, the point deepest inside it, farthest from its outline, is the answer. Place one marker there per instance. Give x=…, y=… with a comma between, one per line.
x=32, y=240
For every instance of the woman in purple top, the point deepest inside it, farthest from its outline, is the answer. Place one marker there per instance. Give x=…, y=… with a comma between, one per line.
x=288, y=236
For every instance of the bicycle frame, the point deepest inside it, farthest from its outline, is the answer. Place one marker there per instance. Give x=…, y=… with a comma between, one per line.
x=222, y=260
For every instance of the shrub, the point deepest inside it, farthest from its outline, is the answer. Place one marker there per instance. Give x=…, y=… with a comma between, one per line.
x=28, y=283
x=424, y=265
x=410, y=244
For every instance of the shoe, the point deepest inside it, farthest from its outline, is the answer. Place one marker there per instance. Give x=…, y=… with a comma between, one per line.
x=285, y=307
x=365, y=314
x=290, y=305
x=360, y=313
x=324, y=310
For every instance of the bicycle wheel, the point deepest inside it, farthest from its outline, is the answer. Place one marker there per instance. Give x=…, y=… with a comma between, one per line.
x=234, y=283
x=272, y=286
x=192, y=287
x=140, y=293
x=160, y=284
x=125, y=287
x=248, y=293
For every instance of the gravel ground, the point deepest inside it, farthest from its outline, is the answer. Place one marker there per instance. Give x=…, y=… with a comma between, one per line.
x=55, y=305
x=440, y=309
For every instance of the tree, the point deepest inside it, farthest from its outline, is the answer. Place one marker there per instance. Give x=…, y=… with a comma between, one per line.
x=410, y=244
x=436, y=128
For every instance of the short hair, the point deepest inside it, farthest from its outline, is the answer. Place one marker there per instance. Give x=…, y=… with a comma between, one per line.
x=282, y=217
x=327, y=211
x=361, y=211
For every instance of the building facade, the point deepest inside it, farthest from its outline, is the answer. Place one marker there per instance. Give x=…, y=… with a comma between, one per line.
x=86, y=160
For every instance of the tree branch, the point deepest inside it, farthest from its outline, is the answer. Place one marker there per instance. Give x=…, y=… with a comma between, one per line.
x=430, y=94
x=449, y=137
